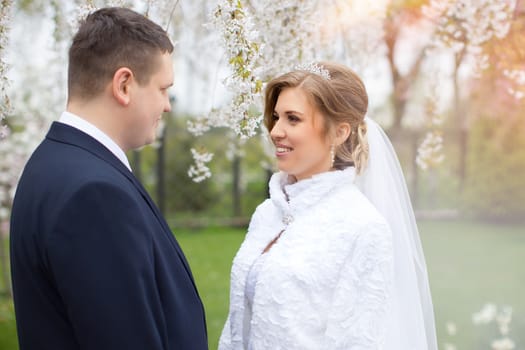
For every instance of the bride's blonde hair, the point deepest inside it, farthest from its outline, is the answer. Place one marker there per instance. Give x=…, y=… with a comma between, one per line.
x=341, y=97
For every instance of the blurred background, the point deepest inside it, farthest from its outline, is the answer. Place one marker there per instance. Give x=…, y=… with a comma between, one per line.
x=446, y=80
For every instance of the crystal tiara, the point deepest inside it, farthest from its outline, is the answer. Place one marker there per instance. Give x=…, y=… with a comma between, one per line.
x=314, y=68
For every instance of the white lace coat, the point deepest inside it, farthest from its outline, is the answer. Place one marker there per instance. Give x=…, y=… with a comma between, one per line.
x=326, y=283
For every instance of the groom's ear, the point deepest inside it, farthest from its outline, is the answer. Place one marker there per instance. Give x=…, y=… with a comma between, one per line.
x=121, y=85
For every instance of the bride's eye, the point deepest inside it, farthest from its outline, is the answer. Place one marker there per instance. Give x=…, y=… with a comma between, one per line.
x=293, y=118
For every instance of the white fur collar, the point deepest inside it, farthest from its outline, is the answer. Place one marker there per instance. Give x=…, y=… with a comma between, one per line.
x=291, y=198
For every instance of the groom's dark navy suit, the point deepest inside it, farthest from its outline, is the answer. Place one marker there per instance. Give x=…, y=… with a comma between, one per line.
x=94, y=264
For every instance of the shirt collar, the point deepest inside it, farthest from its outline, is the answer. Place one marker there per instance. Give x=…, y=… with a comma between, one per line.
x=83, y=125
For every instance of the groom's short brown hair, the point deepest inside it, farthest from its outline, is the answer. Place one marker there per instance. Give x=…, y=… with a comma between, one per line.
x=111, y=38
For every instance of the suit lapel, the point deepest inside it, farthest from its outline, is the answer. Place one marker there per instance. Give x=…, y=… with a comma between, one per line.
x=163, y=223
x=66, y=134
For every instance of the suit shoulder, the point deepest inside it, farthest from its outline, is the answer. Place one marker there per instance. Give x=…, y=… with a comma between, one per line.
x=69, y=165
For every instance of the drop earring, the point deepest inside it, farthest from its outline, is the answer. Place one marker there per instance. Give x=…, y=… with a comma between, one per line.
x=332, y=156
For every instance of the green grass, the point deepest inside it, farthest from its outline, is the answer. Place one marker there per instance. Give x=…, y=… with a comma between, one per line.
x=8, y=339
x=469, y=265
x=210, y=253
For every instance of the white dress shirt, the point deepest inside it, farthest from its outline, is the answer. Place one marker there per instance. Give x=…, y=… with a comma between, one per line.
x=83, y=125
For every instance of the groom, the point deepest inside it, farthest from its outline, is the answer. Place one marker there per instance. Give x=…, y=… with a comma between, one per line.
x=94, y=264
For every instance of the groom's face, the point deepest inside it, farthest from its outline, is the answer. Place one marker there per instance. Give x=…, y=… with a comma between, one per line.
x=148, y=102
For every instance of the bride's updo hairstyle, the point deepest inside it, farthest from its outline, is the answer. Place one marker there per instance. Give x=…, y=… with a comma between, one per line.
x=340, y=95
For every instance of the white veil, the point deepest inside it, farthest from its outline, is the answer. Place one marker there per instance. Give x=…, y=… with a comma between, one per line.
x=384, y=185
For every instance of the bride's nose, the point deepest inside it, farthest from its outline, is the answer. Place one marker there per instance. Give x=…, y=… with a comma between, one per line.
x=277, y=131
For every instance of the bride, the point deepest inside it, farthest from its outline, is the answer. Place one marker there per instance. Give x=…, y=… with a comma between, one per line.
x=332, y=260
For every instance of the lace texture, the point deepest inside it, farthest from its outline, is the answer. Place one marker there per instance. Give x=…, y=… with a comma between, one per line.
x=326, y=283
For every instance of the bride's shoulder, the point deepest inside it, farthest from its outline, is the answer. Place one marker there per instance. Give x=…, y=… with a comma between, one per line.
x=350, y=199
x=353, y=208
x=264, y=215
x=265, y=209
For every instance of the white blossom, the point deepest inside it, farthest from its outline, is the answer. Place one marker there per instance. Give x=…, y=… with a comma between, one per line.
x=503, y=344
x=449, y=346
x=261, y=39
x=198, y=127
x=486, y=315
x=200, y=171
x=5, y=104
x=451, y=328
x=517, y=78
x=4, y=130
x=7, y=180
x=242, y=50
x=503, y=319
x=352, y=31
x=464, y=25
x=516, y=75
x=430, y=152
x=234, y=148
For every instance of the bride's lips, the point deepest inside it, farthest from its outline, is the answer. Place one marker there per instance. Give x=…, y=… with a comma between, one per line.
x=281, y=150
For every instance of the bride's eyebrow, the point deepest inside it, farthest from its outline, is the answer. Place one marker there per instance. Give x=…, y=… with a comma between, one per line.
x=288, y=112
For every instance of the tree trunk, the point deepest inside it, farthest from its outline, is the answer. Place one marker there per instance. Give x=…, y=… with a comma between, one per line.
x=136, y=164
x=462, y=124
x=236, y=186
x=161, y=170
x=415, y=171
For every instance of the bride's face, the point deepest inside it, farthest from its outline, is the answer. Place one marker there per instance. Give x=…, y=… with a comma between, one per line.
x=302, y=148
